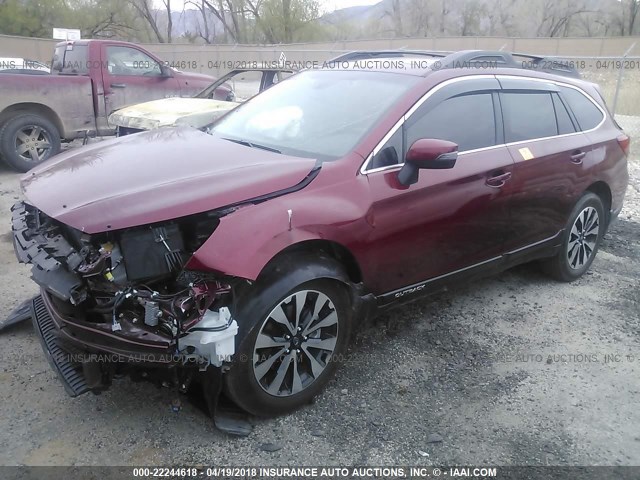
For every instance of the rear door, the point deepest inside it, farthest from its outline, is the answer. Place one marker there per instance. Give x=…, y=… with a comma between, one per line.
x=549, y=153
x=451, y=219
x=132, y=76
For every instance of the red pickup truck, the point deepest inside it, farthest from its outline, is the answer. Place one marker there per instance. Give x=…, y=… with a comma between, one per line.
x=89, y=80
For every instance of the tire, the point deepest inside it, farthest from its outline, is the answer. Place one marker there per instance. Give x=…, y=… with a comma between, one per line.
x=262, y=378
x=27, y=140
x=579, y=245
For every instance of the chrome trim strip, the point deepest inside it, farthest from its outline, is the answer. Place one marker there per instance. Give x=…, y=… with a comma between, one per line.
x=439, y=277
x=532, y=245
x=562, y=84
x=399, y=123
x=425, y=97
x=440, y=86
x=505, y=256
x=386, y=138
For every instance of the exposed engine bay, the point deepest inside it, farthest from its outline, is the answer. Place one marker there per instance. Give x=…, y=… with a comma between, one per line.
x=131, y=285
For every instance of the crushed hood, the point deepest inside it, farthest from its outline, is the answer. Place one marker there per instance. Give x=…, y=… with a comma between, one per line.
x=194, y=112
x=155, y=176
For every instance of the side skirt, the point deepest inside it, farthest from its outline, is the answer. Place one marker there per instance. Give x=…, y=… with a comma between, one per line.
x=542, y=249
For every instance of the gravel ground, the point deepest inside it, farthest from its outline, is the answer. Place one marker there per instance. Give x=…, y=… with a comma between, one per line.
x=513, y=370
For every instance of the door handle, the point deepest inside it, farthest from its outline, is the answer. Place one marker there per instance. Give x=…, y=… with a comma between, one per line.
x=499, y=180
x=118, y=85
x=577, y=157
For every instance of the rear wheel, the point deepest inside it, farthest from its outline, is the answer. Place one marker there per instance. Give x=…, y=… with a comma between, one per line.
x=582, y=238
x=27, y=140
x=292, y=347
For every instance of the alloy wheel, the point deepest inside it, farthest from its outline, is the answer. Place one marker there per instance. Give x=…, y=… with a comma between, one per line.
x=295, y=343
x=583, y=238
x=33, y=143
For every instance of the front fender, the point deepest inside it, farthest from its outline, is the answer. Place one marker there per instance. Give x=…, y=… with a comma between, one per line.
x=248, y=238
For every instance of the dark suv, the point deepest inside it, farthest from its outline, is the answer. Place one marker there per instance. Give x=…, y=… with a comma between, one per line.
x=254, y=247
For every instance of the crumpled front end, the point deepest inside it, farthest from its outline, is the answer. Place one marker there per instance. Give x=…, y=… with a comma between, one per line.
x=124, y=298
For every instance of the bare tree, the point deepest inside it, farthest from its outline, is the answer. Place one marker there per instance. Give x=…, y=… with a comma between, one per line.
x=203, y=30
x=167, y=6
x=150, y=15
x=629, y=14
x=500, y=16
x=417, y=15
x=444, y=11
x=255, y=8
x=556, y=15
x=472, y=11
x=224, y=14
x=396, y=17
x=107, y=27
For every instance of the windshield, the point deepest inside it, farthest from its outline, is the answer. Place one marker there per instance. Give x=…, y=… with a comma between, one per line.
x=318, y=114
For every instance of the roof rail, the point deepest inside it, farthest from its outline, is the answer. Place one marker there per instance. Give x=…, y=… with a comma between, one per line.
x=549, y=65
x=472, y=59
x=500, y=59
x=370, y=54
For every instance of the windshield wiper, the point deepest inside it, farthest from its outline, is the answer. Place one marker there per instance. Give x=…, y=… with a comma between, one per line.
x=252, y=145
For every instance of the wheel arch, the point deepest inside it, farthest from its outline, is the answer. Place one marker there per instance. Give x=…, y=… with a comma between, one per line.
x=316, y=249
x=602, y=190
x=28, y=108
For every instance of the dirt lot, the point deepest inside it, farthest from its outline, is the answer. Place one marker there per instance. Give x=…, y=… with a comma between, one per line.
x=513, y=370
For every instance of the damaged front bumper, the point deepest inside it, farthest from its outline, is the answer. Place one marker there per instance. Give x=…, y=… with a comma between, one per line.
x=81, y=370
x=35, y=245
x=186, y=331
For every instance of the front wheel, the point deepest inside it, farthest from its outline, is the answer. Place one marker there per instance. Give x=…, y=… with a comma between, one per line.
x=291, y=349
x=581, y=240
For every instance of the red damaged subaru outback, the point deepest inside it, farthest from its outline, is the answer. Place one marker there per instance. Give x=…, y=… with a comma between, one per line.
x=241, y=256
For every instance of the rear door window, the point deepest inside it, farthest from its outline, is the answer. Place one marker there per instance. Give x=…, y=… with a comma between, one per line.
x=71, y=59
x=528, y=115
x=587, y=114
x=467, y=120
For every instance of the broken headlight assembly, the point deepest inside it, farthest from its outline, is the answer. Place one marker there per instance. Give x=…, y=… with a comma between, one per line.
x=132, y=283
x=152, y=290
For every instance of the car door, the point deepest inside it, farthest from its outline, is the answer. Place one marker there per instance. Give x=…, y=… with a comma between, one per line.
x=549, y=154
x=450, y=220
x=131, y=76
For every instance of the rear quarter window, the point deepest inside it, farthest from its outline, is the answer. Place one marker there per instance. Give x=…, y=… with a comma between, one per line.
x=587, y=114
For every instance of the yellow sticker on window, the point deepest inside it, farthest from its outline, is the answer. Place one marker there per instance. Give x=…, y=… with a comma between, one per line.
x=526, y=153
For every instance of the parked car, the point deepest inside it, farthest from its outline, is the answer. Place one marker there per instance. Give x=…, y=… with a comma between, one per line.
x=23, y=65
x=203, y=108
x=90, y=79
x=251, y=249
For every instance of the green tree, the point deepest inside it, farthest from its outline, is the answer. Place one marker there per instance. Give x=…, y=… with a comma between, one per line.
x=286, y=21
x=31, y=18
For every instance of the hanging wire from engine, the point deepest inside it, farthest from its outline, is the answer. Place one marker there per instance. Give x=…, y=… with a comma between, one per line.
x=120, y=298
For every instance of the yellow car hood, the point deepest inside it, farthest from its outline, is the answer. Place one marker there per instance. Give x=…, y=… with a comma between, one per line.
x=194, y=112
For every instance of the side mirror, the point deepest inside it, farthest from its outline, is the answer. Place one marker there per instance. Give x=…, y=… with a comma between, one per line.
x=428, y=153
x=165, y=71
